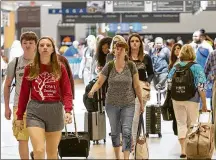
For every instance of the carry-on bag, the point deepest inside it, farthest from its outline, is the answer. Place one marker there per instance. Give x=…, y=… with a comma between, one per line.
x=95, y=122
x=141, y=146
x=199, y=142
x=167, y=108
x=153, y=117
x=74, y=144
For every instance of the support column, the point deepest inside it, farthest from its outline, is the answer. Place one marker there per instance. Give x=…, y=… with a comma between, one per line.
x=9, y=32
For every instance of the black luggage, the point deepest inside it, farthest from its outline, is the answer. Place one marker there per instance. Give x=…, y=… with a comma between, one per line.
x=153, y=117
x=167, y=108
x=92, y=104
x=95, y=122
x=74, y=144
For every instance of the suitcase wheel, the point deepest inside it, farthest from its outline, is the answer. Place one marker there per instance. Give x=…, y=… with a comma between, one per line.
x=160, y=135
x=147, y=135
x=97, y=142
x=104, y=140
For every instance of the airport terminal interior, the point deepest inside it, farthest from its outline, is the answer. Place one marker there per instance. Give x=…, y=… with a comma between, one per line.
x=85, y=33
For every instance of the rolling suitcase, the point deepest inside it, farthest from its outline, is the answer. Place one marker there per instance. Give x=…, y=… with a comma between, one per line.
x=74, y=144
x=95, y=122
x=153, y=117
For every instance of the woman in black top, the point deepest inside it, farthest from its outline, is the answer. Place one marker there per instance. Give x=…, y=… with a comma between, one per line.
x=145, y=69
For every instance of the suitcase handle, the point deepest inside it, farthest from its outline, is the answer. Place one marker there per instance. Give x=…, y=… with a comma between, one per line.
x=75, y=126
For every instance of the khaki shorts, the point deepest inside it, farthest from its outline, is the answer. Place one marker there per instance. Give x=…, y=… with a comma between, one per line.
x=23, y=134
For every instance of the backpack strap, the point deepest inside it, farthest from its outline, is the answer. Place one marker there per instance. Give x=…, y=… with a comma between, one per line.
x=110, y=66
x=14, y=84
x=130, y=65
x=187, y=66
x=17, y=58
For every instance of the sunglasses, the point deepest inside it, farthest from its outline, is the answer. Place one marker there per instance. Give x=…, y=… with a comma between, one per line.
x=114, y=42
x=121, y=44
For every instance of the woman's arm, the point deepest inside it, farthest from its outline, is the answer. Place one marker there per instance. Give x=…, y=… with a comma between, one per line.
x=149, y=68
x=24, y=94
x=137, y=88
x=97, y=85
x=203, y=99
x=66, y=92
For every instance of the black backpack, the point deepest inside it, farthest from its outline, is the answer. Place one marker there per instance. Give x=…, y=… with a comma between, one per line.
x=183, y=87
x=98, y=100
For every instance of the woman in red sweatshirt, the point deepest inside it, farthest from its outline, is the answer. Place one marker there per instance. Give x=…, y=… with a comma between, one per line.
x=45, y=83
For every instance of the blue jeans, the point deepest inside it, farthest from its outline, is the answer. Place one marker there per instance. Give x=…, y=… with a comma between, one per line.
x=121, y=116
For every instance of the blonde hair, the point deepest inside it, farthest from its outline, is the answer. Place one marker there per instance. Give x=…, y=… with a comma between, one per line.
x=187, y=53
x=113, y=39
x=55, y=68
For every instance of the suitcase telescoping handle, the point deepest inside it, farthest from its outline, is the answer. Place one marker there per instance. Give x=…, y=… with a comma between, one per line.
x=75, y=126
x=200, y=112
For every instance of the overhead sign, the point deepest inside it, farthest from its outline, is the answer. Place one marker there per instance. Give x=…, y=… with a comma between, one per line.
x=211, y=6
x=28, y=16
x=67, y=11
x=128, y=6
x=192, y=6
x=150, y=17
x=91, y=18
x=122, y=18
x=173, y=6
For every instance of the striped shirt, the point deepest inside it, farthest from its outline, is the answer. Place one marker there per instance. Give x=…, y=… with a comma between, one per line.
x=210, y=67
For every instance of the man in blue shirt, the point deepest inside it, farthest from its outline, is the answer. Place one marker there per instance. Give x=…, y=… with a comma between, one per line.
x=160, y=60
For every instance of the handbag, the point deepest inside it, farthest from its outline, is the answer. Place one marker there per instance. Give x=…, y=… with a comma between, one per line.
x=145, y=91
x=141, y=148
x=167, y=108
x=199, y=143
x=74, y=144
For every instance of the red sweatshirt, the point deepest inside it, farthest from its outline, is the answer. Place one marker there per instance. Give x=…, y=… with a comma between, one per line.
x=45, y=88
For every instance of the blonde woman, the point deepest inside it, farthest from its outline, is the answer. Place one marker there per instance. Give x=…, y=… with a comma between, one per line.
x=46, y=81
x=115, y=39
x=120, y=98
x=186, y=112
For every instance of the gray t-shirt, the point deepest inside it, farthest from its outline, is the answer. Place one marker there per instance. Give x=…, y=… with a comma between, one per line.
x=120, y=91
x=19, y=74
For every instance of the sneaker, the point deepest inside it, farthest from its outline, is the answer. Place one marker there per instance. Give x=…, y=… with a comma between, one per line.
x=32, y=155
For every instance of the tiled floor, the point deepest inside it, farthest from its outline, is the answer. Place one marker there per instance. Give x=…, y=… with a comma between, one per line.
x=166, y=147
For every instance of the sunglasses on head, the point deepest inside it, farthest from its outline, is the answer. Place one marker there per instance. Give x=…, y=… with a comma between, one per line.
x=114, y=42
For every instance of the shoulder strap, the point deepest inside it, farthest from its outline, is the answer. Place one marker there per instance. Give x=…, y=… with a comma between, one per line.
x=110, y=66
x=189, y=64
x=17, y=58
x=130, y=65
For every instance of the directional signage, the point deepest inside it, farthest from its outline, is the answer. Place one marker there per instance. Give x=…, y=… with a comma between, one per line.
x=150, y=17
x=173, y=6
x=122, y=18
x=128, y=6
x=91, y=18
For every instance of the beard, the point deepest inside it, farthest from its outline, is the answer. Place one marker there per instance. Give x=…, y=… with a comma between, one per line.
x=197, y=41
